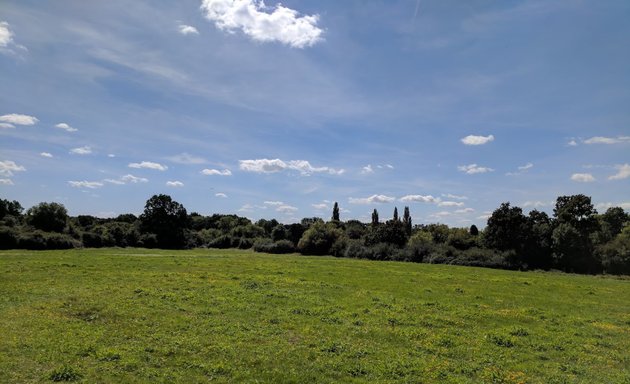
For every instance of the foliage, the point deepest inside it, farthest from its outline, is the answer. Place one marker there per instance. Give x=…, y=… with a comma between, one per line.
x=319, y=239
x=167, y=219
x=10, y=208
x=50, y=217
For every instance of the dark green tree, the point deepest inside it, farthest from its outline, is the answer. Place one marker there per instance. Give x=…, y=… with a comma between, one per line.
x=507, y=230
x=375, y=217
x=50, y=217
x=11, y=208
x=395, y=218
x=407, y=221
x=335, y=215
x=474, y=231
x=165, y=218
x=538, y=241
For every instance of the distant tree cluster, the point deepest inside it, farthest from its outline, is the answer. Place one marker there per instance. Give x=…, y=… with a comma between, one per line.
x=575, y=239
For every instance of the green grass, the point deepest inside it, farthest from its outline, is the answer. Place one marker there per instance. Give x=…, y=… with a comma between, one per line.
x=130, y=315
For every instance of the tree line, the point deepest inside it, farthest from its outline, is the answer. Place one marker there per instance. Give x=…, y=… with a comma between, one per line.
x=575, y=239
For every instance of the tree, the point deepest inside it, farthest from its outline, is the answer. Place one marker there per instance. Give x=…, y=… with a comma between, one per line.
x=506, y=229
x=335, y=215
x=167, y=219
x=474, y=231
x=319, y=239
x=50, y=217
x=375, y=217
x=395, y=214
x=538, y=241
x=11, y=208
x=407, y=221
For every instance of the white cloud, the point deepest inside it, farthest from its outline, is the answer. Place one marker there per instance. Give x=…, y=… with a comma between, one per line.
x=572, y=143
x=221, y=194
x=176, y=184
x=85, y=150
x=66, y=127
x=111, y=155
x=7, y=168
x=46, y=154
x=582, y=177
x=367, y=170
x=477, y=140
x=148, y=165
x=276, y=203
x=372, y=199
x=607, y=140
x=277, y=165
x=455, y=197
x=127, y=179
x=262, y=23
x=187, y=30
x=522, y=169
x=622, y=173
x=471, y=169
x=604, y=206
x=246, y=208
x=465, y=210
x=85, y=184
x=185, y=158
x=420, y=199
x=211, y=172
x=320, y=207
x=537, y=204
x=441, y=214
x=450, y=204
x=6, y=36
x=6, y=126
x=286, y=209
x=6, y=181
x=18, y=119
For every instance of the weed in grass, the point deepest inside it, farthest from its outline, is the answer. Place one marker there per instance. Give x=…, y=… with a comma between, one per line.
x=65, y=373
x=501, y=341
x=519, y=332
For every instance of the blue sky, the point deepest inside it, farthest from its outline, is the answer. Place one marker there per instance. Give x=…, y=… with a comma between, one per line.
x=449, y=107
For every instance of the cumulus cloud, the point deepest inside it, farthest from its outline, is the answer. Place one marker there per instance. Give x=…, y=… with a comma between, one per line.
x=372, y=199
x=286, y=209
x=275, y=203
x=7, y=168
x=85, y=184
x=6, y=182
x=17, y=119
x=212, y=172
x=420, y=199
x=6, y=126
x=185, y=158
x=66, y=127
x=455, y=197
x=175, y=184
x=537, y=204
x=85, y=150
x=450, y=204
x=582, y=177
x=6, y=39
x=262, y=23
x=477, y=140
x=277, y=165
x=472, y=169
x=465, y=210
x=367, y=170
x=221, y=194
x=46, y=154
x=607, y=140
x=187, y=30
x=127, y=179
x=623, y=172
x=572, y=143
x=320, y=206
x=148, y=165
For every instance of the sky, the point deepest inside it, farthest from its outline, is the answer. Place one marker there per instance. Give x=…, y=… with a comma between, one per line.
x=271, y=110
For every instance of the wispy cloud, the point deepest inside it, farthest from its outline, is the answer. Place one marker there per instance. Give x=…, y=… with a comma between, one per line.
x=274, y=203
x=85, y=184
x=477, y=140
x=127, y=179
x=7, y=168
x=582, y=177
x=187, y=30
x=607, y=140
x=175, y=184
x=420, y=199
x=6, y=182
x=276, y=165
x=17, y=119
x=262, y=23
x=66, y=127
x=148, y=165
x=455, y=197
x=6, y=39
x=221, y=195
x=367, y=170
x=450, y=204
x=6, y=126
x=623, y=172
x=185, y=158
x=472, y=169
x=522, y=169
x=216, y=172
x=85, y=150
x=46, y=154
x=372, y=199
x=286, y=209
x=320, y=206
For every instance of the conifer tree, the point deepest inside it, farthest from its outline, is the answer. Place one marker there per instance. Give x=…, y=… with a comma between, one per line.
x=375, y=217
x=407, y=221
x=395, y=213
x=335, y=215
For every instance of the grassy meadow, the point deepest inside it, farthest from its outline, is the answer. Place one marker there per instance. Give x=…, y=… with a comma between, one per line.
x=154, y=316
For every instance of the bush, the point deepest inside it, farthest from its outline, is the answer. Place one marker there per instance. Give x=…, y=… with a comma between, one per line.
x=39, y=240
x=92, y=240
x=8, y=238
x=245, y=243
x=148, y=240
x=356, y=250
x=223, y=242
x=268, y=246
x=319, y=239
x=50, y=217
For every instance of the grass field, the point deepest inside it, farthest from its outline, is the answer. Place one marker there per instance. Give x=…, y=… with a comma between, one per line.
x=131, y=315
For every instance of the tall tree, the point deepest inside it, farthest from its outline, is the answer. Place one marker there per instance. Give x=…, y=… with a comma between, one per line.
x=395, y=213
x=335, y=215
x=407, y=221
x=48, y=217
x=375, y=217
x=167, y=219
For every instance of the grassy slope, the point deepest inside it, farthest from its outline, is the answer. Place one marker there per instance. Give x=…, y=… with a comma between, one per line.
x=119, y=315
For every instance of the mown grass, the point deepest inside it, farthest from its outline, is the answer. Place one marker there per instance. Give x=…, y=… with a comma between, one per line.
x=130, y=315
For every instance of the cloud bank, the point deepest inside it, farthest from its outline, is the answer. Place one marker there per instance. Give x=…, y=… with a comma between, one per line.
x=276, y=165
